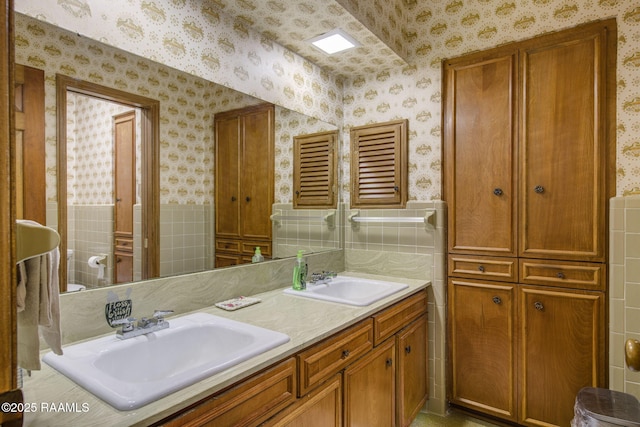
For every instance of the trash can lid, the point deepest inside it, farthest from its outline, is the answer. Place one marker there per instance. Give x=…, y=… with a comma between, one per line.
x=610, y=406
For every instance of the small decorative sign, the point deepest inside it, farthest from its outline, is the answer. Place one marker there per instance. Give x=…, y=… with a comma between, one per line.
x=117, y=310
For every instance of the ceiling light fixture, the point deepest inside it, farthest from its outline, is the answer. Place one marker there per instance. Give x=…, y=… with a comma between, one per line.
x=334, y=41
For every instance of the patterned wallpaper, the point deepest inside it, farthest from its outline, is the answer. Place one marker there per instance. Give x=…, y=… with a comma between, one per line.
x=193, y=36
x=387, y=19
x=187, y=105
x=435, y=30
x=445, y=29
x=90, y=150
x=292, y=23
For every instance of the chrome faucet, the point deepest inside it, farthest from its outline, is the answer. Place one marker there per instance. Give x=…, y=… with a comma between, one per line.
x=323, y=277
x=144, y=326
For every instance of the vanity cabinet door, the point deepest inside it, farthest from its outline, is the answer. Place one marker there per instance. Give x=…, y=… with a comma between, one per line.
x=322, y=408
x=369, y=384
x=412, y=385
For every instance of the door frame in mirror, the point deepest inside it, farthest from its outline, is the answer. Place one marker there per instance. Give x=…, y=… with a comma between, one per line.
x=150, y=166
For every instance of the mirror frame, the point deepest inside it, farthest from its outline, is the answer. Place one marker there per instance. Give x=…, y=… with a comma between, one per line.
x=150, y=166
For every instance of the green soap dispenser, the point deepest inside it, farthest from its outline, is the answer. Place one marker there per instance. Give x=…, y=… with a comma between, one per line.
x=300, y=272
x=257, y=256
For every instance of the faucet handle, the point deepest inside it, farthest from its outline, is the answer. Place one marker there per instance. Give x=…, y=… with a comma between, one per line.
x=126, y=323
x=159, y=314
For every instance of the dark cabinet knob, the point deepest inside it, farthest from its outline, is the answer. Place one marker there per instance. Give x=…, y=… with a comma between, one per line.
x=497, y=300
x=538, y=306
x=248, y=199
x=407, y=349
x=481, y=268
x=539, y=189
x=233, y=198
x=389, y=362
x=345, y=354
x=497, y=191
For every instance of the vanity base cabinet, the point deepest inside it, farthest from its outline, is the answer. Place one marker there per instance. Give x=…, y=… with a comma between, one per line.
x=344, y=379
x=368, y=388
x=482, y=330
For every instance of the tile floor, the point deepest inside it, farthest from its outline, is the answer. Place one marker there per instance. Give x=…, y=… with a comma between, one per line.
x=455, y=419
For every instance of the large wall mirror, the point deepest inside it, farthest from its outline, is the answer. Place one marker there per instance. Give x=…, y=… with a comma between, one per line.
x=179, y=204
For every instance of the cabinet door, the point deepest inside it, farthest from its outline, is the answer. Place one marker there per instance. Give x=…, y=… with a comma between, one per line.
x=481, y=329
x=479, y=143
x=412, y=371
x=227, y=140
x=368, y=389
x=256, y=173
x=563, y=148
x=320, y=408
x=561, y=350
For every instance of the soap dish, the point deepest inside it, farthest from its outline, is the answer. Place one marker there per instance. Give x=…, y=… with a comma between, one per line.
x=236, y=303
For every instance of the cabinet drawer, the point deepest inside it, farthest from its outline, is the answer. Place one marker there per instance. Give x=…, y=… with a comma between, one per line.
x=124, y=244
x=576, y=275
x=391, y=320
x=249, y=247
x=232, y=246
x=248, y=403
x=227, y=260
x=485, y=268
x=331, y=355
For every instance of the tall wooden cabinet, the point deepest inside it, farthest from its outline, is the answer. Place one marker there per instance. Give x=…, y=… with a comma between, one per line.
x=528, y=154
x=244, y=179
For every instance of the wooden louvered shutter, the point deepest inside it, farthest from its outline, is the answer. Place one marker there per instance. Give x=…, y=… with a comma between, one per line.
x=379, y=165
x=314, y=170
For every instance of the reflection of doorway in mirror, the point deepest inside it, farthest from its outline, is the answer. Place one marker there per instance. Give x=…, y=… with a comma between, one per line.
x=124, y=126
x=99, y=172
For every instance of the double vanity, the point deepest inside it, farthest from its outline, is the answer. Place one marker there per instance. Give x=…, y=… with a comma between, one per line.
x=293, y=355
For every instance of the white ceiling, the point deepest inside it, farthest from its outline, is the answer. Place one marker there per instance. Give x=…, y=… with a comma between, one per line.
x=292, y=22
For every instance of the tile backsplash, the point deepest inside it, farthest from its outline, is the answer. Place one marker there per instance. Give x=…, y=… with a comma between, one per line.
x=624, y=289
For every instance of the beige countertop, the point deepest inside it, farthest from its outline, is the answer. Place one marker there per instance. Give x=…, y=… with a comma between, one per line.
x=52, y=399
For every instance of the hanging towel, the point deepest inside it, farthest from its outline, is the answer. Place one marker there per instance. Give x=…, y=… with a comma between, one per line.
x=40, y=313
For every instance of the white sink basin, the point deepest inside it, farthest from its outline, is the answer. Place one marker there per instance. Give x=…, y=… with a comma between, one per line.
x=350, y=290
x=130, y=373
